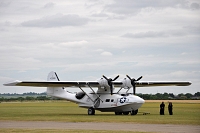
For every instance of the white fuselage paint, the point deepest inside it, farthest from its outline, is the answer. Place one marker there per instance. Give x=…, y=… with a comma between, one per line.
x=111, y=103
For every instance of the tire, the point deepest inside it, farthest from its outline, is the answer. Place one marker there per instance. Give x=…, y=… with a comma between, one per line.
x=118, y=113
x=126, y=113
x=134, y=112
x=91, y=111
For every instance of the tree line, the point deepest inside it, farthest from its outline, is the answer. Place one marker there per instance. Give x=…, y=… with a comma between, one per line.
x=31, y=96
x=27, y=98
x=168, y=96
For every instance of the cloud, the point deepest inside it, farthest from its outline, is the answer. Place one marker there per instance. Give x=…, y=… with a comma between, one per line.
x=57, y=20
x=91, y=38
x=99, y=15
x=134, y=6
x=49, y=5
x=154, y=34
x=75, y=44
x=148, y=34
x=20, y=63
x=195, y=6
x=105, y=53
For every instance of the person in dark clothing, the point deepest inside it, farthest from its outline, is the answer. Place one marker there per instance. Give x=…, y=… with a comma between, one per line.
x=170, y=107
x=162, y=108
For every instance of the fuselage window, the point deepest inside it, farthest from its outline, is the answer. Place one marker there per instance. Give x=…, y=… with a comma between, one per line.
x=107, y=100
x=112, y=100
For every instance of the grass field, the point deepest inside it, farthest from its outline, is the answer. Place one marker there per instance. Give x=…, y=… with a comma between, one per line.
x=61, y=131
x=184, y=113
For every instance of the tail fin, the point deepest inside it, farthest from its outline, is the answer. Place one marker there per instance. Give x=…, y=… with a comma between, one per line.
x=54, y=91
x=52, y=77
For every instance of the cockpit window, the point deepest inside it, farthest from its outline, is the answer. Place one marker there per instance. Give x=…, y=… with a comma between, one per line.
x=80, y=95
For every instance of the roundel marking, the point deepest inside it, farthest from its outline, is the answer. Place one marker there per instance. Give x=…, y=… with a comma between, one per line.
x=122, y=100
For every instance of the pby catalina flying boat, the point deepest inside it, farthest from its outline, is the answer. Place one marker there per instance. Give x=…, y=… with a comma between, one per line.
x=104, y=99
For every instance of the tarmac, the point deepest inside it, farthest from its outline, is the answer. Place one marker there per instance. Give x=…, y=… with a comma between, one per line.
x=162, y=128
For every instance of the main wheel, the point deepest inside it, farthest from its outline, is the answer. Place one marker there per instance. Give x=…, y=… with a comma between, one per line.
x=118, y=113
x=91, y=111
x=126, y=113
x=134, y=112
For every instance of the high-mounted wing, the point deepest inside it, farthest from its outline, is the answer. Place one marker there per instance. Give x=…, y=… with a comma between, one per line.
x=162, y=83
x=53, y=83
x=93, y=83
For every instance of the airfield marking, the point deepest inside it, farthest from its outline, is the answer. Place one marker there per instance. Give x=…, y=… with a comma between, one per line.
x=101, y=126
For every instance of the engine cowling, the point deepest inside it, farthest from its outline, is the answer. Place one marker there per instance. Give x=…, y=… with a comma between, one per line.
x=103, y=83
x=126, y=83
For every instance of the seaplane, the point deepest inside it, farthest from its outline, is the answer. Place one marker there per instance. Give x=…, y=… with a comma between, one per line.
x=104, y=99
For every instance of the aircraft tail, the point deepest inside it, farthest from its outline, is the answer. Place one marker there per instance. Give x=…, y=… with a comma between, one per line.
x=54, y=91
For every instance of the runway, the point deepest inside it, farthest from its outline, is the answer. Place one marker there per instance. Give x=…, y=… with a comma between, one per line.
x=167, y=128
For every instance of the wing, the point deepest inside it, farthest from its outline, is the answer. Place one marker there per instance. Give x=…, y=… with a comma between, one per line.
x=93, y=83
x=53, y=83
x=162, y=83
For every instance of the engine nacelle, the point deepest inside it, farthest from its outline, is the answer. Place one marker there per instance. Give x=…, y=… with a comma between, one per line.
x=126, y=83
x=103, y=83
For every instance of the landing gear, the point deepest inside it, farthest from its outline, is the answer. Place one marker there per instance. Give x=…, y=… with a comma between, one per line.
x=91, y=111
x=118, y=113
x=134, y=112
x=126, y=113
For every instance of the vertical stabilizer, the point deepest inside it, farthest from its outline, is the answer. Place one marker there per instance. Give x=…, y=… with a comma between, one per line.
x=52, y=77
x=54, y=91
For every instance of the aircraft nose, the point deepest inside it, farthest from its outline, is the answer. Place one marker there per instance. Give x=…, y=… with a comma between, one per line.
x=140, y=100
x=136, y=99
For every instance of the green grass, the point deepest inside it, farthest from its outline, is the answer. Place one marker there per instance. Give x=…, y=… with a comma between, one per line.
x=184, y=113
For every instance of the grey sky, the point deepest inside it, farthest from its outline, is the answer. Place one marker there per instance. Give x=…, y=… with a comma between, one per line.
x=81, y=40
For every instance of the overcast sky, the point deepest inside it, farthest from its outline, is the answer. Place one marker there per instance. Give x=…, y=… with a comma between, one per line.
x=82, y=40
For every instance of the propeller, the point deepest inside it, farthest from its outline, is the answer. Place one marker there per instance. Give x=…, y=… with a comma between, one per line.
x=110, y=83
x=133, y=82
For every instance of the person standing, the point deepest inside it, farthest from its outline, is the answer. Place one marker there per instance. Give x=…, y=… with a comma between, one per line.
x=162, y=108
x=170, y=107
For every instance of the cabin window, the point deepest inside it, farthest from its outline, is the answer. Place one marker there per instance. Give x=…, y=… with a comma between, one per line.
x=112, y=100
x=107, y=100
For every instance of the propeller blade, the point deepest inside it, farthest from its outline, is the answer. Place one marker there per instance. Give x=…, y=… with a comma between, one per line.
x=105, y=77
x=139, y=78
x=111, y=89
x=134, y=89
x=128, y=77
x=110, y=82
x=116, y=78
x=133, y=82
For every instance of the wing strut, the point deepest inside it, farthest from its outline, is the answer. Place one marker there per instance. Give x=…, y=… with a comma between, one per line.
x=86, y=93
x=127, y=90
x=119, y=89
x=94, y=92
